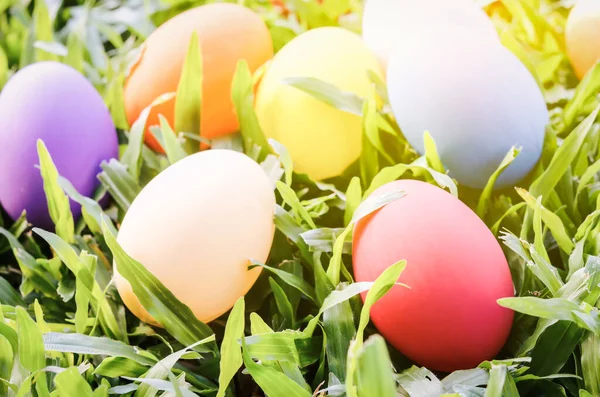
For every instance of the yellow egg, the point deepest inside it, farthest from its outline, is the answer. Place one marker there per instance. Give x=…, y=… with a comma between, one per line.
x=196, y=226
x=322, y=140
x=582, y=36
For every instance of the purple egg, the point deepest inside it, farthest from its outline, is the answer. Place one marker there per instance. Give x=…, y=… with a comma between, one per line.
x=55, y=103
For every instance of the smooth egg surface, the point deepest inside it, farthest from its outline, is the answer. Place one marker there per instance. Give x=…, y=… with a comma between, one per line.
x=196, y=226
x=322, y=140
x=582, y=36
x=227, y=33
x=477, y=101
x=55, y=103
x=385, y=22
x=448, y=318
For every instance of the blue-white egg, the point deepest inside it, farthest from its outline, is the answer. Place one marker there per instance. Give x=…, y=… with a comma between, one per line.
x=476, y=100
x=385, y=22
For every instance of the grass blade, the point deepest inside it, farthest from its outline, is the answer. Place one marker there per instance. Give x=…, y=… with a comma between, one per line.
x=328, y=93
x=94, y=345
x=563, y=158
x=420, y=382
x=70, y=383
x=173, y=149
x=189, y=92
x=486, y=195
x=231, y=352
x=31, y=345
x=242, y=96
x=271, y=381
x=290, y=279
x=495, y=385
x=58, y=202
x=283, y=304
x=99, y=302
x=590, y=363
x=8, y=295
x=338, y=323
x=374, y=373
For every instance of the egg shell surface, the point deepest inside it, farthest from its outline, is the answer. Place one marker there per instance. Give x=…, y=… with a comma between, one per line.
x=196, y=226
x=448, y=318
x=55, y=103
x=322, y=140
x=476, y=100
x=582, y=36
x=387, y=21
x=227, y=33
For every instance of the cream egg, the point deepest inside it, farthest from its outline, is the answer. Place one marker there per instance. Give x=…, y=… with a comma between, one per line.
x=476, y=100
x=196, y=226
x=582, y=36
x=385, y=22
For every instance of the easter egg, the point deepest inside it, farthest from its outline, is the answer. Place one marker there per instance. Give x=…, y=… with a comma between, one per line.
x=227, y=33
x=447, y=318
x=196, y=226
x=385, y=22
x=476, y=101
x=55, y=103
x=322, y=140
x=582, y=36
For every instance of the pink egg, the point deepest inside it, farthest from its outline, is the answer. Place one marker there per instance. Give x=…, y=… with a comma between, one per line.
x=449, y=318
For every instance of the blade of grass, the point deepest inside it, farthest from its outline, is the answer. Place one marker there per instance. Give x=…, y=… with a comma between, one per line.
x=31, y=345
x=94, y=345
x=58, y=202
x=241, y=93
x=563, y=158
x=231, y=352
x=374, y=371
x=486, y=195
x=95, y=294
x=271, y=381
x=172, y=148
x=338, y=323
x=189, y=93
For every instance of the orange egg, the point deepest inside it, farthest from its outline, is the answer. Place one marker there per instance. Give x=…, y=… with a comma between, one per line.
x=226, y=33
x=582, y=36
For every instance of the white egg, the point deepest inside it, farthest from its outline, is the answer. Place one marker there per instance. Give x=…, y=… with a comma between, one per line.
x=387, y=21
x=476, y=100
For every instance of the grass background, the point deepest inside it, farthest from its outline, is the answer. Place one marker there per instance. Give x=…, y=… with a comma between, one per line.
x=302, y=330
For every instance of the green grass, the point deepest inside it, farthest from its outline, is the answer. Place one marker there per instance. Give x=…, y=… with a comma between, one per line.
x=302, y=330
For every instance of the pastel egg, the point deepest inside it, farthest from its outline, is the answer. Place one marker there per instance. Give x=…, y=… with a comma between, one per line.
x=476, y=100
x=582, y=36
x=227, y=33
x=322, y=140
x=385, y=22
x=55, y=103
x=448, y=318
x=196, y=226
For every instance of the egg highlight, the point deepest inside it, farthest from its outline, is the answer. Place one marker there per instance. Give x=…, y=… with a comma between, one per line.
x=448, y=318
x=196, y=226
x=385, y=22
x=55, y=103
x=322, y=140
x=227, y=33
x=476, y=100
x=582, y=36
